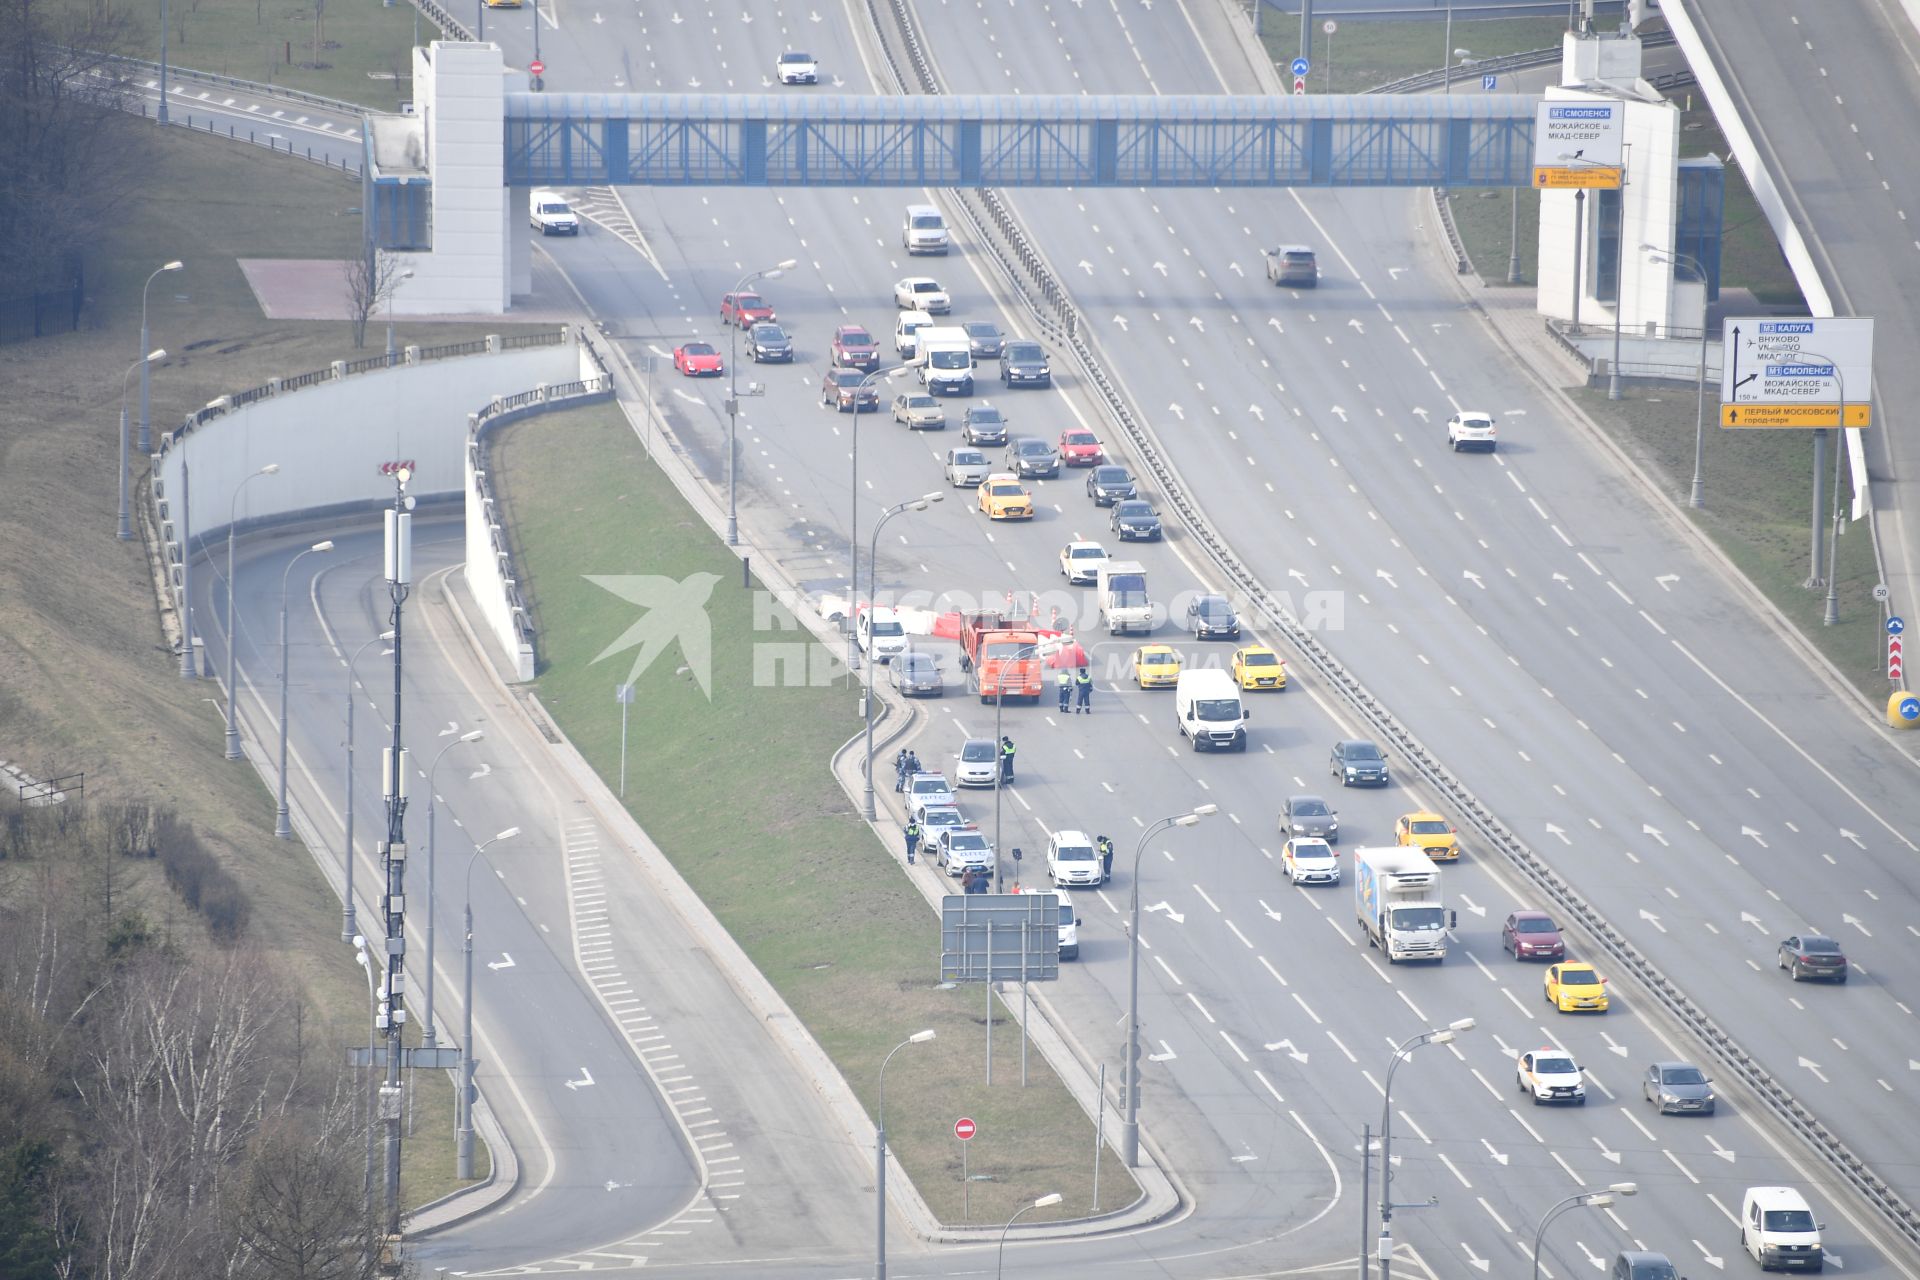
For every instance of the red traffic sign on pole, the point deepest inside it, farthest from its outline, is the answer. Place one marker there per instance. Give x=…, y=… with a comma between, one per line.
x=1895, y=665
x=1299, y=86
x=964, y=1129
x=538, y=67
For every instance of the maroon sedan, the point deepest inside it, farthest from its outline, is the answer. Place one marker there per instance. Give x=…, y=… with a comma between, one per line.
x=1532, y=935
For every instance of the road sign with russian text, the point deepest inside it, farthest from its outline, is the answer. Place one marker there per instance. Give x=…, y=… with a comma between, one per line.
x=1804, y=372
x=1578, y=143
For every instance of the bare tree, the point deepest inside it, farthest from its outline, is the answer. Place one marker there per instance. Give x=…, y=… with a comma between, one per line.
x=298, y=1212
x=371, y=281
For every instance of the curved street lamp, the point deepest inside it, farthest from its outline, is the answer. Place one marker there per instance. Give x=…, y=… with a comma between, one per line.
x=866, y=702
x=1697, y=495
x=853, y=497
x=146, y=427
x=1130, y=1068
x=233, y=628
x=1593, y=1199
x=1044, y=1202
x=144, y=362
x=282, y=829
x=880, y=1155
x=733, y=370
x=1401, y=1052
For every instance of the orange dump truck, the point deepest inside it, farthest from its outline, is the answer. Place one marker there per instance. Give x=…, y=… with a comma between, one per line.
x=1001, y=656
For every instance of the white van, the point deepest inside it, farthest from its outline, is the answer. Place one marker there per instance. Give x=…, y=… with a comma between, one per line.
x=1069, y=928
x=947, y=369
x=1206, y=703
x=881, y=636
x=550, y=215
x=906, y=332
x=1777, y=1229
x=1072, y=859
x=924, y=230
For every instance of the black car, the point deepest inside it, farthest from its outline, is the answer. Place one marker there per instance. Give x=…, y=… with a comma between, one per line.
x=1211, y=617
x=1813, y=955
x=984, y=339
x=916, y=675
x=1108, y=485
x=1024, y=364
x=1135, y=520
x=769, y=344
x=1032, y=456
x=982, y=424
x=848, y=389
x=1358, y=763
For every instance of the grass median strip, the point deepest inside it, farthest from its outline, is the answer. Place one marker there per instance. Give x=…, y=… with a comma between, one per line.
x=733, y=784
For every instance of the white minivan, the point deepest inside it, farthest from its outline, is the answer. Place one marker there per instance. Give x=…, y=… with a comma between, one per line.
x=1072, y=859
x=1206, y=703
x=1777, y=1229
x=1069, y=928
x=881, y=636
x=979, y=763
x=924, y=230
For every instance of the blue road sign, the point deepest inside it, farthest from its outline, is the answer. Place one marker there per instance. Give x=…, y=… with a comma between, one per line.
x=1489, y=82
x=1910, y=708
x=1301, y=66
x=1896, y=624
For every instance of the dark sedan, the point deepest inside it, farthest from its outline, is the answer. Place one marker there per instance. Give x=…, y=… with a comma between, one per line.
x=1309, y=817
x=983, y=424
x=1032, y=456
x=848, y=389
x=1358, y=763
x=1135, y=521
x=1108, y=485
x=1813, y=955
x=1211, y=617
x=769, y=344
x=916, y=675
x=984, y=339
x=1024, y=364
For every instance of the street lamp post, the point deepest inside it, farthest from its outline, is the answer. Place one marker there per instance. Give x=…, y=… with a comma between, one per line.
x=880, y=1156
x=347, y=926
x=1594, y=1199
x=853, y=500
x=1614, y=391
x=126, y=525
x=428, y=1037
x=233, y=628
x=1697, y=494
x=373, y=1024
x=1438, y=1035
x=1044, y=1202
x=463, y=1104
x=146, y=427
x=282, y=829
x=873, y=556
x=1130, y=1068
x=733, y=370
x=392, y=289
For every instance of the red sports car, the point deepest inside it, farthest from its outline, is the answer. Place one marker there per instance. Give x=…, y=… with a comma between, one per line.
x=745, y=310
x=695, y=359
x=1080, y=447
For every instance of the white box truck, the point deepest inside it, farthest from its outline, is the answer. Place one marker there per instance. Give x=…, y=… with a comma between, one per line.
x=1396, y=895
x=1206, y=703
x=1121, y=586
x=945, y=354
x=550, y=215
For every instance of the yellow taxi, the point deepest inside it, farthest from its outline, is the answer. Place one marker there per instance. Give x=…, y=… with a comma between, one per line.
x=1003, y=497
x=1156, y=666
x=1576, y=988
x=1258, y=667
x=1430, y=833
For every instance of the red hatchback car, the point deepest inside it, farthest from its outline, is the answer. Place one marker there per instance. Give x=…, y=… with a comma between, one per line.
x=1532, y=935
x=745, y=310
x=854, y=348
x=697, y=358
x=1080, y=448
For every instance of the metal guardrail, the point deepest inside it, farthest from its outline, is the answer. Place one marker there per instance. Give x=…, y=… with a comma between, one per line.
x=1421, y=81
x=180, y=120
x=1046, y=291
x=1456, y=245
x=188, y=75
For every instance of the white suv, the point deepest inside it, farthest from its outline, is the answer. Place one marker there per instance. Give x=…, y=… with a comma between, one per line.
x=1471, y=429
x=1072, y=859
x=1551, y=1075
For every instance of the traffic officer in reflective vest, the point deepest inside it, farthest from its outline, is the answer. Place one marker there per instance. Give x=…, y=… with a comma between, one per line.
x=913, y=839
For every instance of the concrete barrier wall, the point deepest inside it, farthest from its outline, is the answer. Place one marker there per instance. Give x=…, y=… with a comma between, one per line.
x=335, y=442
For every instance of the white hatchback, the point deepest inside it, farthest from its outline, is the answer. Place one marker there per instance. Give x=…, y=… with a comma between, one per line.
x=1471, y=429
x=979, y=763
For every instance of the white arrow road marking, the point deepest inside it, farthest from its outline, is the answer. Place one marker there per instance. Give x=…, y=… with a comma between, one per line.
x=1297, y=576
x=1719, y=1150
x=1848, y=835
x=1166, y=1053
x=1235, y=268
x=1257, y=412
x=1122, y=322
x=1271, y=913
x=1561, y=832
x=1472, y=906
x=1273, y=322
x=586, y=1079
x=1814, y=1067
x=1387, y=577
x=1292, y=1052
x=688, y=397
x=1711, y=1259
x=1598, y=1263
x=1649, y=830
x=1499, y=1157
x=1614, y=1045
x=1604, y=1151
x=1651, y=919
x=1173, y=915
x=1196, y=323
x=1564, y=580
x=1666, y=581
x=1855, y=922
x=1753, y=835
x=1421, y=414
x=1474, y=1260
x=1339, y=413
x=504, y=962
x=1086, y=266
x=1747, y=917
x=1161, y=267
x=1177, y=412
x=1474, y=578
x=1244, y=1159
x=1357, y=327
x=482, y=772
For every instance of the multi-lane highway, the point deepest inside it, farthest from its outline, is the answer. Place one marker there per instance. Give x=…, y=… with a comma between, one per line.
x=1548, y=632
